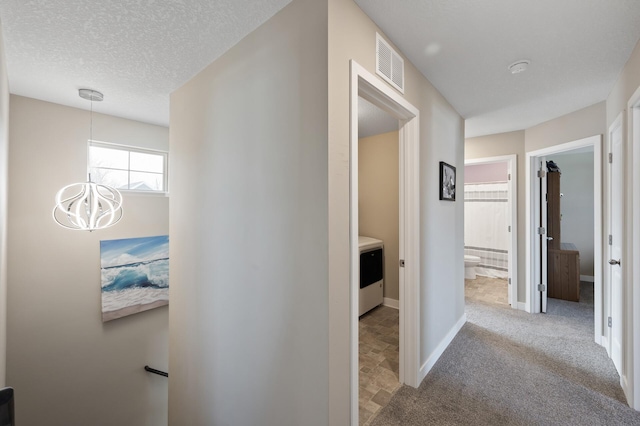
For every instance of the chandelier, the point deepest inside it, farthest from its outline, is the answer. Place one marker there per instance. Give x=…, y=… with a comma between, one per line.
x=87, y=206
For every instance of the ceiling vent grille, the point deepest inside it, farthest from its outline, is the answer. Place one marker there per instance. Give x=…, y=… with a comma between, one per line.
x=389, y=64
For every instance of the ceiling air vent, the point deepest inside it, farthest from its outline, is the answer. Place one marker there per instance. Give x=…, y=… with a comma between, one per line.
x=389, y=65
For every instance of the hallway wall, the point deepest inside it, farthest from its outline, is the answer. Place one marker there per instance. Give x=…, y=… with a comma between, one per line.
x=579, y=124
x=249, y=316
x=66, y=365
x=352, y=36
x=4, y=189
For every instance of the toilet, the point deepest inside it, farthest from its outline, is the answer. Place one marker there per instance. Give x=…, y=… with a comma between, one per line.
x=470, y=263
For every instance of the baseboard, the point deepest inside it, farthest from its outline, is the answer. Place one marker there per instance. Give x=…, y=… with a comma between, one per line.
x=437, y=353
x=587, y=278
x=391, y=303
x=522, y=306
x=624, y=384
x=604, y=342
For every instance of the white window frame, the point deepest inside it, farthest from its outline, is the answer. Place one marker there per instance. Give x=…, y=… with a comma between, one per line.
x=130, y=148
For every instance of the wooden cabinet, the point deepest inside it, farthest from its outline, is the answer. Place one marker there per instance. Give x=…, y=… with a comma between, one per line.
x=563, y=273
x=563, y=259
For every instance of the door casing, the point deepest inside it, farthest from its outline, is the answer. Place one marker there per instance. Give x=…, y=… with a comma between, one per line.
x=615, y=247
x=630, y=379
x=512, y=166
x=532, y=188
x=366, y=85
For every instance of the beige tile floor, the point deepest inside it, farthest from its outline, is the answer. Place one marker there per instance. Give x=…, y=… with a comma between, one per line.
x=485, y=289
x=378, y=360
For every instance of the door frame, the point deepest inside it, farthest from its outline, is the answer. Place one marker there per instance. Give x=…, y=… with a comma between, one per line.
x=532, y=188
x=512, y=166
x=631, y=268
x=366, y=85
x=618, y=123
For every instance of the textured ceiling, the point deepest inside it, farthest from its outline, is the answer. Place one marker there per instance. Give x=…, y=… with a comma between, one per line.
x=372, y=120
x=138, y=51
x=577, y=49
x=134, y=51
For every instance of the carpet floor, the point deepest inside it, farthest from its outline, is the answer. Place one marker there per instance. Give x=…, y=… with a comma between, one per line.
x=507, y=367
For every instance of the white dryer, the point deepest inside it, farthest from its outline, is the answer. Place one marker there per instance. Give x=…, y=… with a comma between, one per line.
x=371, y=273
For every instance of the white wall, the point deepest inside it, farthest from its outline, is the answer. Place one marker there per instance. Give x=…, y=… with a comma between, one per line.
x=249, y=315
x=576, y=186
x=69, y=368
x=4, y=188
x=352, y=35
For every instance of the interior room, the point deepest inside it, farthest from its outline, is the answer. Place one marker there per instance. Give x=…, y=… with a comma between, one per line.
x=217, y=281
x=486, y=229
x=571, y=227
x=378, y=222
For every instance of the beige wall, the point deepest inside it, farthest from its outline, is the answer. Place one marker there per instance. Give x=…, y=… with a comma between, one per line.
x=627, y=83
x=4, y=188
x=352, y=35
x=248, y=332
x=378, y=181
x=580, y=124
x=495, y=146
x=66, y=365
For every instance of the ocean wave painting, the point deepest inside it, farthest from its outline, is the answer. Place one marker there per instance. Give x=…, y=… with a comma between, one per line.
x=134, y=274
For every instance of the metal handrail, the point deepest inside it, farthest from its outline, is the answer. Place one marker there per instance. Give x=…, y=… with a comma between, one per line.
x=154, y=371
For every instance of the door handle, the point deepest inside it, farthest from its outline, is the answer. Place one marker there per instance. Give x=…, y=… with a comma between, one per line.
x=550, y=238
x=614, y=262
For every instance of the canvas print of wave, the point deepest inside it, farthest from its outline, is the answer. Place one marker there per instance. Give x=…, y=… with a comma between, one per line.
x=134, y=275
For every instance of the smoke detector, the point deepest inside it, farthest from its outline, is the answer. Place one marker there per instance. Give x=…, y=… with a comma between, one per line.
x=519, y=66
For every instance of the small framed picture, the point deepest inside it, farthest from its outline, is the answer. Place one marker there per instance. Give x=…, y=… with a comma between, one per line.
x=447, y=182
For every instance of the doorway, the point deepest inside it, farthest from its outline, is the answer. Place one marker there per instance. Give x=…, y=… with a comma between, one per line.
x=497, y=188
x=536, y=226
x=378, y=225
x=366, y=85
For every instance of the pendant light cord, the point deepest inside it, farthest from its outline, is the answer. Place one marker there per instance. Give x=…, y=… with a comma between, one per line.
x=90, y=136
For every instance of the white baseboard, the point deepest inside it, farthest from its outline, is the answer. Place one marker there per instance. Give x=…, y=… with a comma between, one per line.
x=624, y=383
x=587, y=278
x=604, y=342
x=437, y=353
x=522, y=306
x=391, y=303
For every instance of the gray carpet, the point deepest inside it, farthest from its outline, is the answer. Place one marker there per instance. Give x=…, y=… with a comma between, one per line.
x=507, y=367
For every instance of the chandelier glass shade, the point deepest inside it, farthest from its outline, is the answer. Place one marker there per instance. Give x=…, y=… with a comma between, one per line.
x=88, y=206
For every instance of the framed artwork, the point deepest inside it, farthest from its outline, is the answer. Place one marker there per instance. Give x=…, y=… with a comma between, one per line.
x=134, y=275
x=447, y=182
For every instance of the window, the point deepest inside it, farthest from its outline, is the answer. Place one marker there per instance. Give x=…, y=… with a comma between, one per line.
x=128, y=168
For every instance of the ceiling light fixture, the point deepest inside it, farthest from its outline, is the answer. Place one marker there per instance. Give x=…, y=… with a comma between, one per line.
x=519, y=66
x=88, y=206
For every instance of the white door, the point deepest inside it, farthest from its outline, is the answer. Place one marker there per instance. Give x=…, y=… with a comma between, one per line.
x=542, y=234
x=615, y=247
x=510, y=277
